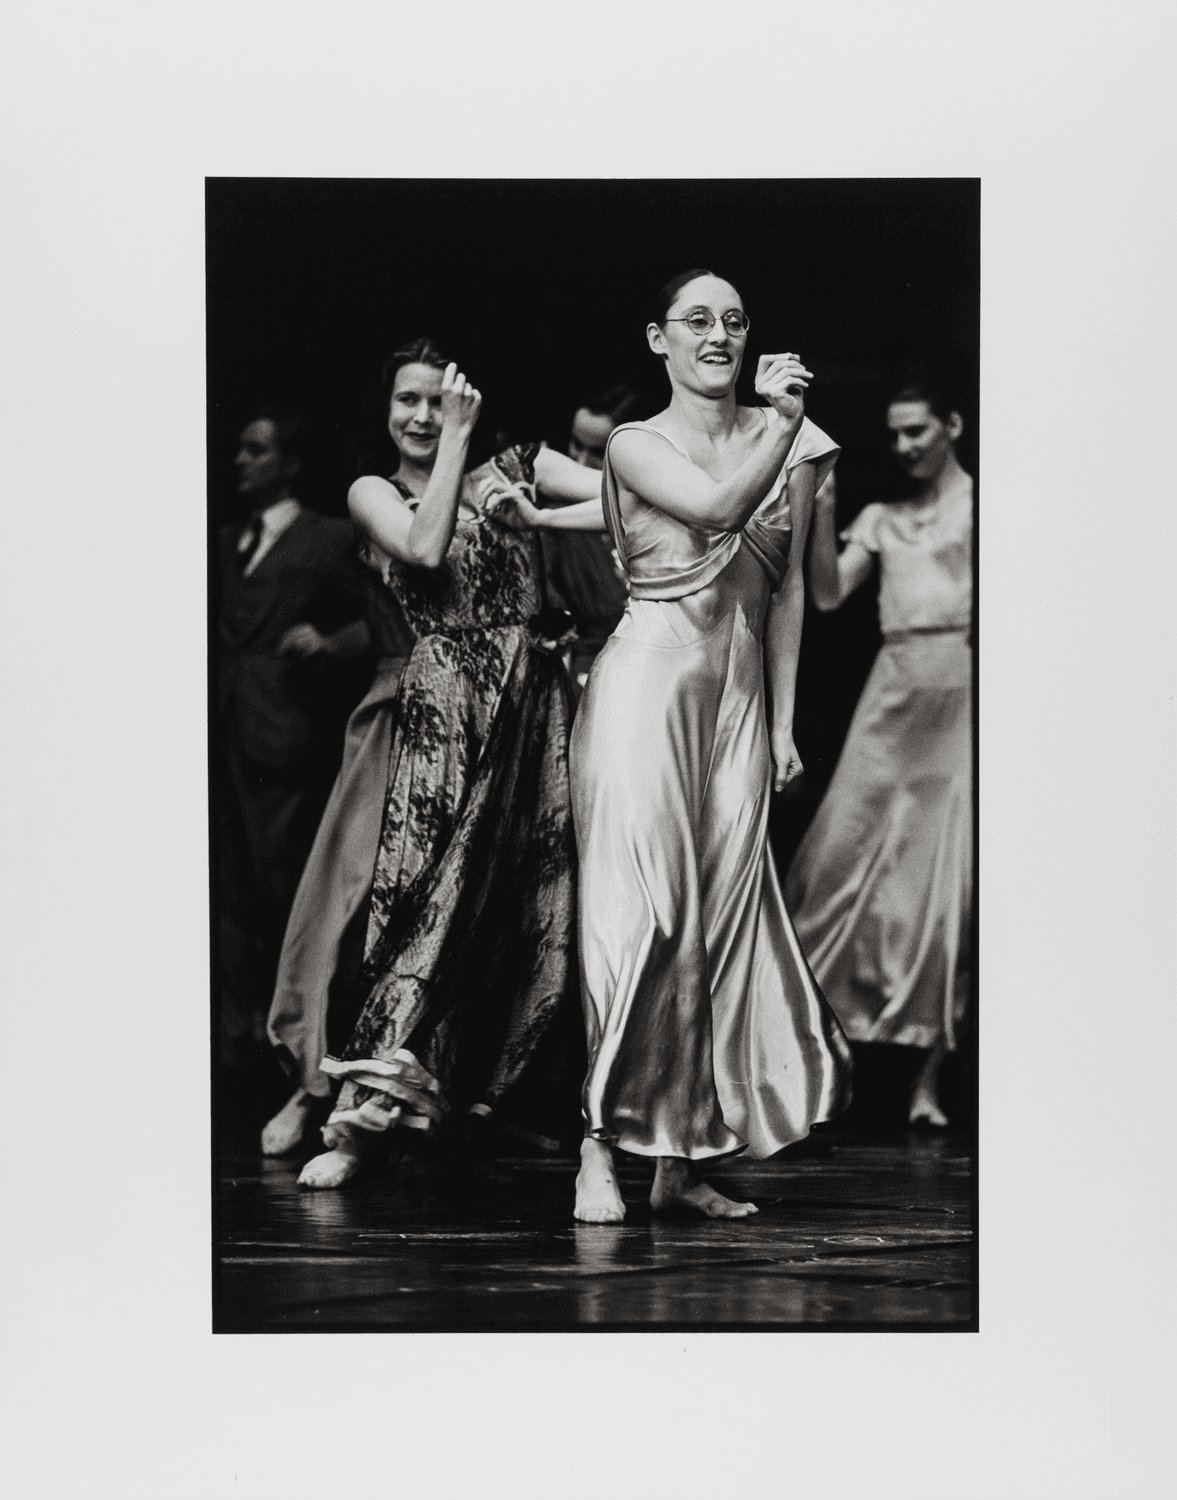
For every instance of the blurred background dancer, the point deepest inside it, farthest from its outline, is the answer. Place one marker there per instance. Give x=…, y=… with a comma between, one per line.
x=880, y=889
x=289, y=607
x=582, y=573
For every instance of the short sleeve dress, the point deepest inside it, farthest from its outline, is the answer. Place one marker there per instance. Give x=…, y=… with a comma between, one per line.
x=881, y=886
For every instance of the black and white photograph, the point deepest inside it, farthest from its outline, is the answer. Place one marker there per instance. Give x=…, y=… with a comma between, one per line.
x=587, y=800
x=610, y=967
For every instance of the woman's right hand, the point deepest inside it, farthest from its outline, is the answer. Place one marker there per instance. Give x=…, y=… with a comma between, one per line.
x=509, y=505
x=782, y=380
x=460, y=402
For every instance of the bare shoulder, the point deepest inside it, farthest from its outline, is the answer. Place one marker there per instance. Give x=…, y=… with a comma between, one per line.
x=639, y=432
x=641, y=444
x=370, y=489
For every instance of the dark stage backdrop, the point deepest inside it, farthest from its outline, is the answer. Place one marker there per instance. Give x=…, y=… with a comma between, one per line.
x=542, y=290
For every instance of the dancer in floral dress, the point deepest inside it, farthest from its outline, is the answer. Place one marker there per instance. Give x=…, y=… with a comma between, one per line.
x=469, y=967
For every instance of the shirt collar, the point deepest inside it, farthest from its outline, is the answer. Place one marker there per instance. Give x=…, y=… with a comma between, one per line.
x=281, y=514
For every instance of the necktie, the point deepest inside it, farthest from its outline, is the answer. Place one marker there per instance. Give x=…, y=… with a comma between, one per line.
x=249, y=540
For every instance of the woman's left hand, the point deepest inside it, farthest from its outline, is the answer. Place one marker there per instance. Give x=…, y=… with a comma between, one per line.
x=786, y=763
x=303, y=640
x=509, y=504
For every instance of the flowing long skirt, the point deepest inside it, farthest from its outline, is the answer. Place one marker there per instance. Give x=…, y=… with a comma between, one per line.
x=881, y=886
x=469, y=959
x=335, y=885
x=707, y=1034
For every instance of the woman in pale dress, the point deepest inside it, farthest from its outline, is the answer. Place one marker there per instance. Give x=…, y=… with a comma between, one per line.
x=881, y=885
x=706, y=1033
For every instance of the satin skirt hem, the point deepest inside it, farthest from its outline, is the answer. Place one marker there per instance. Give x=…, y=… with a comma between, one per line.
x=336, y=881
x=880, y=887
x=904, y=1036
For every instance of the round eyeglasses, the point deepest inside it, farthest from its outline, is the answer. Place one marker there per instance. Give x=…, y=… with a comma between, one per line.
x=701, y=322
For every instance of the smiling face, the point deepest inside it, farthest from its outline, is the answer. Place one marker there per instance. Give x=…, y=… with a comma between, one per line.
x=414, y=413
x=709, y=363
x=920, y=440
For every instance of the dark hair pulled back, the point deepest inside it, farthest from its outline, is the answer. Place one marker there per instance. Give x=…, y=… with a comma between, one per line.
x=621, y=403
x=376, y=453
x=666, y=297
x=933, y=388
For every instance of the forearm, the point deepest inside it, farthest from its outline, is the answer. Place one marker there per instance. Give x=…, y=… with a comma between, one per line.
x=558, y=478
x=782, y=645
x=352, y=640
x=734, y=499
x=824, y=578
x=646, y=465
x=432, y=529
x=589, y=515
x=787, y=610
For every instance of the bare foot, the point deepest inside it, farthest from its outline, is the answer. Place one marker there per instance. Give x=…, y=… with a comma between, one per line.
x=925, y=1095
x=598, y=1198
x=677, y=1188
x=333, y=1168
x=925, y=1110
x=288, y=1127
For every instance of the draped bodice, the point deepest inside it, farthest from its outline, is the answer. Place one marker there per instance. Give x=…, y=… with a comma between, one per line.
x=665, y=558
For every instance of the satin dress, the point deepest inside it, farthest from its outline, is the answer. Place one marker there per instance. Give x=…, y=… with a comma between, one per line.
x=706, y=1032
x=337, y=879
x=881, y=885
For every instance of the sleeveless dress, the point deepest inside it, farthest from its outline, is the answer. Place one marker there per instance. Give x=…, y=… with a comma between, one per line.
x=469, y=960
x=706, y=1032
x=336, y=881
x=881, y=885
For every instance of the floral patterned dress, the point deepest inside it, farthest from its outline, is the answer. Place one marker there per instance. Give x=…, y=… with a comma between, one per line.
x=469, y=978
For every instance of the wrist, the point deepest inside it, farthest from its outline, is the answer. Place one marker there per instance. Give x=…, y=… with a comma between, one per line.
x=458, y=434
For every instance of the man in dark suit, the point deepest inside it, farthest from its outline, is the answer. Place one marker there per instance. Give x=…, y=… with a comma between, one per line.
x=290, y=601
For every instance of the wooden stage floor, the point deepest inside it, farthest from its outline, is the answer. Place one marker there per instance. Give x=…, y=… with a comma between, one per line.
x=854, y=1232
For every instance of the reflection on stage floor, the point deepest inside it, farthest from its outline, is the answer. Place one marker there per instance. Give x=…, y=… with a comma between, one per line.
x=852, y=1233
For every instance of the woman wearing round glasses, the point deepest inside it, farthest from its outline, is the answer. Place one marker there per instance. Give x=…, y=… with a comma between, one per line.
x=464, y=862
x=707, y=1035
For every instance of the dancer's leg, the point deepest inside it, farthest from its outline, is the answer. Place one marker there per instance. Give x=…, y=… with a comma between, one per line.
x=925, y=1096
x=290, y=1125
x=333, y=1168
x=598, y=1198
x=676, y=1186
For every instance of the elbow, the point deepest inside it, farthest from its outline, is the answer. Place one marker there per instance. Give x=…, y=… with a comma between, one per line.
x=826, y=597
x=726, y=518
x=428, y=558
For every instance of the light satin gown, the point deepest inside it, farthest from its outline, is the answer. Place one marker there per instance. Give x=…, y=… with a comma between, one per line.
x=707, y=1034
x=881, y=886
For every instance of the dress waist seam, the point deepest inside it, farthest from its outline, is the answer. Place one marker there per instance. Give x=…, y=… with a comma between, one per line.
x=915, y=630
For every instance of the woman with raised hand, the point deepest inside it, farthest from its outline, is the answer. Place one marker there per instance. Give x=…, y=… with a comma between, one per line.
x=468, y=972
x=707, y=1035
x=881, y=885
